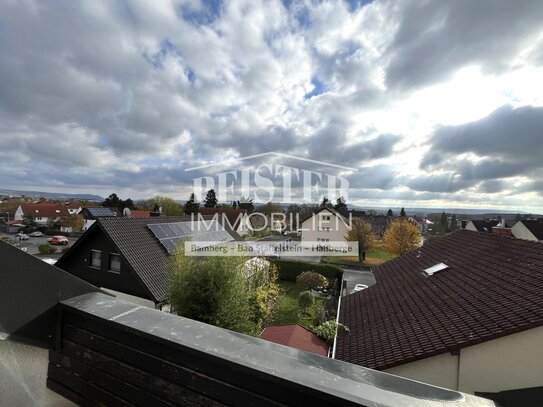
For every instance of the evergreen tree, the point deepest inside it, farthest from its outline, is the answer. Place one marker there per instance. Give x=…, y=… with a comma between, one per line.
x=191, y=206
x=325, y=202
x=340, y=204
x=390, y=213
x=211, y=199
x=234, y=204
x=126, y=204
x=111, y=201
x=247, y=205
x=444, y=223
x=402, y=212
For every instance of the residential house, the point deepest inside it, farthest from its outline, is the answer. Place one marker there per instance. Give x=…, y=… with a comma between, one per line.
x=42, y=213
x=130, y=255
x=464, y=312
x=93, y=213
x=74, y=207
x=64, y=342
x=295, y=336
x=529, y=230
x=480, y=225
x=236, y=218
x=324, y=225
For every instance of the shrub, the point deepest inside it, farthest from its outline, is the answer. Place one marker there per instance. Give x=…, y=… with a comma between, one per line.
x=289, y=269
x=327, y=330
x=65, y=249
x=312, y=280
x=305, y=300
x=46, y=248
x=320, y=315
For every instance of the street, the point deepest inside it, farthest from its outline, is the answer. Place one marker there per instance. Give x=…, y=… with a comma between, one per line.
x=33, y=243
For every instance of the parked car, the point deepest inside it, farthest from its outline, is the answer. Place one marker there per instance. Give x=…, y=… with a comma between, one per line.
x=22, y=236
x=359, y=287
x=58, y=240
x=37, y=233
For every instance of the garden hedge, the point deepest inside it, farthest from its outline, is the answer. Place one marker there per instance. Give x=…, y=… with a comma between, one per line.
x=289, y=269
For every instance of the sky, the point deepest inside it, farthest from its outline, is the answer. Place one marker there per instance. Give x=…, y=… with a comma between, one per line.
x=433, y=103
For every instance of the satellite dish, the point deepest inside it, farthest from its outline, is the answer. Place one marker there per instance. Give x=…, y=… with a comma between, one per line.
x=127, y=213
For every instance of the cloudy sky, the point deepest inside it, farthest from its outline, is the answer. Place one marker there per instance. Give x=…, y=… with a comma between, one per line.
x=435, y=103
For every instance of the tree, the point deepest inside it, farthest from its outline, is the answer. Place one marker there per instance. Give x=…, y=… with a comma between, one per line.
x=191, y=206
x=223, y=291
x=444, y=223
x=312, y=280
x=269, y=208
x=168, y=205
x=246, y=204
x=325, y=202
x=211, y=199
x=340, y=204
x=76, y=222
x=402, y=212
x=454, y=223
x=112, y=201
x=390, y=213
x=401, y=237
x=305, y=300
x=127, y=204
x=234, y=204
x=362, y=233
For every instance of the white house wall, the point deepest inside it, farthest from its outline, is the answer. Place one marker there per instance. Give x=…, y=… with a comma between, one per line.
x=512, y=362
x=311, y=233
x=520, y=231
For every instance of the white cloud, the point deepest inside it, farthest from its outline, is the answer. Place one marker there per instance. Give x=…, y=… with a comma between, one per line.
x=106, y=90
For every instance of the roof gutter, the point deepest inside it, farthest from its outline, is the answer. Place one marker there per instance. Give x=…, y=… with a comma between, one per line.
x=337, y=320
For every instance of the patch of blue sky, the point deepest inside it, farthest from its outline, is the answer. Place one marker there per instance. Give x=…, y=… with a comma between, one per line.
x=209, y=12
x=318, y=88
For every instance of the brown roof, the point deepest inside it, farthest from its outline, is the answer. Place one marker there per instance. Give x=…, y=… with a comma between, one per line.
x=44, y=209
x=136, y=213
x=492, y=288
x=295, y=336
x=139, y=247
x=233, y=215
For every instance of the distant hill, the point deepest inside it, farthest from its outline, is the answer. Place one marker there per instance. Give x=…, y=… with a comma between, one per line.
x=51, y=195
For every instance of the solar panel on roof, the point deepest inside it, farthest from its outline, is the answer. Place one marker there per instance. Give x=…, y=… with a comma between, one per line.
x=171, y=234
x=101, y=212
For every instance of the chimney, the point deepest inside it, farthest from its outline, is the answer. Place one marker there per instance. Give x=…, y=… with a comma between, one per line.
x=499, y=231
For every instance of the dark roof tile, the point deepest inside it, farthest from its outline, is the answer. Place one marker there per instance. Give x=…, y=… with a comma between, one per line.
x=492, y=288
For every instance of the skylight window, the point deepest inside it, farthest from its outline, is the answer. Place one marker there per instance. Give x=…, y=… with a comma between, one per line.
x=436, y=268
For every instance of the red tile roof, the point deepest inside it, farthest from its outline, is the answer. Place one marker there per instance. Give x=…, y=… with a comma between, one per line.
x=492, y=288
x=233, y=215
x=44, y=209
x=140, y=214
x=295, y=336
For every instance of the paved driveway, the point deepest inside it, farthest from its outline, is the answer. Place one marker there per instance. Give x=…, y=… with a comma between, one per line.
x=33, y=243
x=353, y=277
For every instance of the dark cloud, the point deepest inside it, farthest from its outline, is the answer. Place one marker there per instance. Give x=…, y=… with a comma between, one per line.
x=436, y=38
x=507, y=141
x=333, y=138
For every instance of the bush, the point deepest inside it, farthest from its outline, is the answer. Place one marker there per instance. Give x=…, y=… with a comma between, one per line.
x=46, y=248
x=327, y=330
x=55, y=232
x=320, y=315
x=290, y=269
x=305, y=300
x=65, y=249
x=312, y=280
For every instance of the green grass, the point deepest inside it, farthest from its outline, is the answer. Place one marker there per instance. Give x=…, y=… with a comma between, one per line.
x=288, y=309
x=375, y=256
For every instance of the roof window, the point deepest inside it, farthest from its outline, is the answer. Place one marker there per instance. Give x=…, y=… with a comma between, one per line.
x=436, y=268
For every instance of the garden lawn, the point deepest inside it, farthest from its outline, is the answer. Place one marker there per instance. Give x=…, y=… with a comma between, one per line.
x=288, y=310
x=374, y=257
